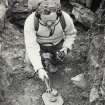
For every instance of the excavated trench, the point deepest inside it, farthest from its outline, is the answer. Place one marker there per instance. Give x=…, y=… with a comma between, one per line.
x=18, y=86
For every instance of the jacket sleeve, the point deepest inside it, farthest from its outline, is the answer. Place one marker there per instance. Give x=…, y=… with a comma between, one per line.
x=32, y=47
x=70, y=31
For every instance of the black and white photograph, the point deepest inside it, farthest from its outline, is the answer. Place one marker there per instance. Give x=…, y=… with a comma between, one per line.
x=52, y=52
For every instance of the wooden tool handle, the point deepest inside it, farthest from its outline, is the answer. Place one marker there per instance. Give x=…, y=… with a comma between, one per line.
x=47, y=82
x=48, y=85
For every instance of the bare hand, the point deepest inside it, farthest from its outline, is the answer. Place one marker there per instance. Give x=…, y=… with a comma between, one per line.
x=42, y=74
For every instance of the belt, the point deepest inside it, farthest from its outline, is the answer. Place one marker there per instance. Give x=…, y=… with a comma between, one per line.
x=52, y=47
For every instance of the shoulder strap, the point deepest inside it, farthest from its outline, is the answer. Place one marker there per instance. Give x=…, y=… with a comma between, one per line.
x=62, y=21
x=36, y=23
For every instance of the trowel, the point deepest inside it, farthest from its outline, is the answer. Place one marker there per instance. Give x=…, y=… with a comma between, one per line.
x=51, y=96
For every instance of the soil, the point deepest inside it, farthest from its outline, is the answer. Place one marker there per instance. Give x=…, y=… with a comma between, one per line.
x=24, y=88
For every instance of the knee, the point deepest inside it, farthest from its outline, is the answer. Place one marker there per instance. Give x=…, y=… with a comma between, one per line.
x=68, y=58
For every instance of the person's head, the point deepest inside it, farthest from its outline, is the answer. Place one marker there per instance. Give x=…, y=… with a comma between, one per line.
x=48, y=11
